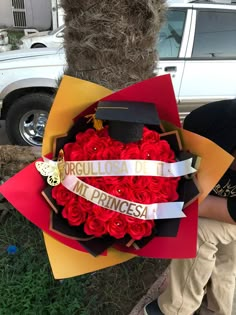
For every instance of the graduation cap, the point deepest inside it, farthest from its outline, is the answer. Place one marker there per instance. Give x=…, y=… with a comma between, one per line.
x=126, y=119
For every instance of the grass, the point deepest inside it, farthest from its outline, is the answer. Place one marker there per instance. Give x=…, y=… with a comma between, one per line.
x=27, y=286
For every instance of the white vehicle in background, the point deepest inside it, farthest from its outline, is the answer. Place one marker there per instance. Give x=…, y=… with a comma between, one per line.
x=197, y=47
x=28, y=82
x=4, y=41
x=51, y=39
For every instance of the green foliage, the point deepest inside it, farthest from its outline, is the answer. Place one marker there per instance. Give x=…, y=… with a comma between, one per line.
x=14, y=37
x=26, y=283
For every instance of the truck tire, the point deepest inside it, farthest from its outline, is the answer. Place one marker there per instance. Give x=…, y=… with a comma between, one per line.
x=27, y=117
x=38, y=46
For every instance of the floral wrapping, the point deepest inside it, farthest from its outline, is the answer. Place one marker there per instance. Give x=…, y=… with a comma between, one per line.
x=108, y=232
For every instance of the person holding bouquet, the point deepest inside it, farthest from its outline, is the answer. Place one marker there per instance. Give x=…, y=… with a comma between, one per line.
x=210, y=276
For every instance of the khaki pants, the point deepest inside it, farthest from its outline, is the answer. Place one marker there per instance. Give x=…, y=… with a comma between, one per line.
x=214, y=269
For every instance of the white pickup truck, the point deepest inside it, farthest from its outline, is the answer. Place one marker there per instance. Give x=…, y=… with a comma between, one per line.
x=28, y=81
x=196, y=46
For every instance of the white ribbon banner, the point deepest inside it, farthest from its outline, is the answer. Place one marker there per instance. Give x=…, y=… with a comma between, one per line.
x=128, y=168
x=140, y=211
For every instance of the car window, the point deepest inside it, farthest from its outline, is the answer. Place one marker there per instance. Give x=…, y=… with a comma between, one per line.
x=215, y=35
x=56, y=30
x=171, y=34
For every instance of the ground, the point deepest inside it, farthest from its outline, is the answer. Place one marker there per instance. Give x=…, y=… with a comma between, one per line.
x=27, y=285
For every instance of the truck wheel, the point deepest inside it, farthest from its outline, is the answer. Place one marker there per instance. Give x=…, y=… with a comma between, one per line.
x=26, y=119
x=38, y=46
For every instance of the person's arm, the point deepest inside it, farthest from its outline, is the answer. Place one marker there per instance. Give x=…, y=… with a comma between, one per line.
x=216, y=208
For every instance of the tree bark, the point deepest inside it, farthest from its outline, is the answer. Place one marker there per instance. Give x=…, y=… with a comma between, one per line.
x=112, y=42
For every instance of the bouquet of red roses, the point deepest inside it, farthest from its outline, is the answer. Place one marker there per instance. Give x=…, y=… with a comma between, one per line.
x=115, y=177
x=118, y=178
x=126, y=218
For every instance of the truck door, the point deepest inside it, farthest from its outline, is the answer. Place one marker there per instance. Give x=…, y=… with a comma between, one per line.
x=210, y=65
x=172, y=45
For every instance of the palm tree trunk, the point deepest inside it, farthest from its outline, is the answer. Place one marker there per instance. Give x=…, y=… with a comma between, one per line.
x=112, y=42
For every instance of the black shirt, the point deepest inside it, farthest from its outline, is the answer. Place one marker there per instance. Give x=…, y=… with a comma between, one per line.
x=226, y=187
x=217, y=122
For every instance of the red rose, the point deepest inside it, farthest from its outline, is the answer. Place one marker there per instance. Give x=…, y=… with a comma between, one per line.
x=130, y=151
x=121, y=190
x=83, y=137
x=117, y=226
x=143, y=196
x=72, y=212
x=149, y=151
x=95, y=146
x=85, y=205
x=102, y=213
x=112, y=151
x=166, y=153
x=156, y=183
x=110, y=181
x=169, y=189
x=94, y=226
x=150, y=136
x=164, y=188
x=138, y=229
x=141, y=182
x=74, y=152
x=62, y=195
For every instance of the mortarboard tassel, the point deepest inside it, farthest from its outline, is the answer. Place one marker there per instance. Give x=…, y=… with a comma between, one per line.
x=97, y=123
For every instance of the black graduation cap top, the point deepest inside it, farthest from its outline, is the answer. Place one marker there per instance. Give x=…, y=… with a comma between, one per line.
x=126, y=119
